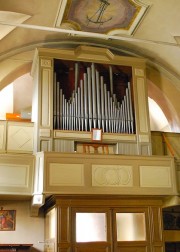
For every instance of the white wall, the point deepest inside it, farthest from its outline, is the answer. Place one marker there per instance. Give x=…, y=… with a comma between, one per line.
x=28, y=229
x=23, y=87
x=6, y=101
x=17, y=96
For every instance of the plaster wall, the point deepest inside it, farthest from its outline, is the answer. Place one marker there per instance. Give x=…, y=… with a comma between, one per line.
x=166, y=95
x=23, y=93
x=28, y=230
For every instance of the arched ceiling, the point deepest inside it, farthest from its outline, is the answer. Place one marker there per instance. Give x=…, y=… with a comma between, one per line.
x=151, y=30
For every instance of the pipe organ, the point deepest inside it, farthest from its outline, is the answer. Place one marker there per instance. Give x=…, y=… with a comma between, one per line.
x=91, y=100
x=80, y=88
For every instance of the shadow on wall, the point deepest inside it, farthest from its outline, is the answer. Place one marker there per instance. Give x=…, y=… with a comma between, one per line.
x=22, y=92
x=157, y=95
x=158, y=121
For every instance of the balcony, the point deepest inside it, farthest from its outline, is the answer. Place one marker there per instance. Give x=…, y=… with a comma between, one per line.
x=37, y=175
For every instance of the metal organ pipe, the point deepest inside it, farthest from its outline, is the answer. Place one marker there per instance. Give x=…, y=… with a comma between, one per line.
x=106, y=107
x=85, y=102
x=94, y=94
x=58, y=103
x=61, y=108
x=89, y=97
x=111, y=80
x=109, y=110
x=98, y=100
x=92, y=105
x=82, y=104
x=73, y=113
x=76, y=76
x=78, y=109
x=130, y=108
x=102, y=103
x=54, y=102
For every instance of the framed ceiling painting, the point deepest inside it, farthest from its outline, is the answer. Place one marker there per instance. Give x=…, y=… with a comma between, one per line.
x=110, y=17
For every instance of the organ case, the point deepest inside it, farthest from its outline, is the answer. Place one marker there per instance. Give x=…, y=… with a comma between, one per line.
x=86, y=87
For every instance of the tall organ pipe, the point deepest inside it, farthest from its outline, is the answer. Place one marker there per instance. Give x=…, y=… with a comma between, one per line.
x=106, y=107
x=94, y=95
x=109, y=110
x=60, y=108
x=63, y=112
x=76, y=111
x=54, y=101
x=74, y=114
x=98, y=100
x=89, y=97
x=70, y=116
x=82, y=104
x=58, y=104
x=78, y=108
x=76, y=76
x=128, y=111
x=85, y=102
x=111, y=80
x=130, y=106
x=102, y=103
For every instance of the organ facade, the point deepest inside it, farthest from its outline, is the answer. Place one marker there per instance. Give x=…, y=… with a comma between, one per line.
x=87, y=88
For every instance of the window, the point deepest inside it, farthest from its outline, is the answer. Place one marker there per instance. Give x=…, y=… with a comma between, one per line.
x=130, y=226
x=91, y=227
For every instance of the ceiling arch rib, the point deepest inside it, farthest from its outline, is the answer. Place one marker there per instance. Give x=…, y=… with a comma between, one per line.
x=24, y=55
x=88, y=34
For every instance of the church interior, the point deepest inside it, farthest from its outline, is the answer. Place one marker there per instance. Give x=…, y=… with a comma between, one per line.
x=89, y=126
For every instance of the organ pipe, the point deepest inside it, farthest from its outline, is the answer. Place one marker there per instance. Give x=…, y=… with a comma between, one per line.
x=98, y=100
x=111, y=80
x=102, y=103
x=58, y=104
x=89, y=97
x=82, y=104
x=94, y=94
x=92, y=104
x=54, y=102
x=76, y=76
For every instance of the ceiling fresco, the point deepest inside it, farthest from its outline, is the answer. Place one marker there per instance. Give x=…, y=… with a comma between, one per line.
x=104, y=16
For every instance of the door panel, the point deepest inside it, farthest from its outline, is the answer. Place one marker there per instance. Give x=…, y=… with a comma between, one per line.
x=132, y=249
x=95, y=247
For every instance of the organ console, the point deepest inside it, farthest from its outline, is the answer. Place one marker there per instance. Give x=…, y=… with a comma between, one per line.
x=92, y=102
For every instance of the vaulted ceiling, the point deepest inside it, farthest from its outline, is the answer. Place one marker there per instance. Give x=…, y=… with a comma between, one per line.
x=146, y=28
